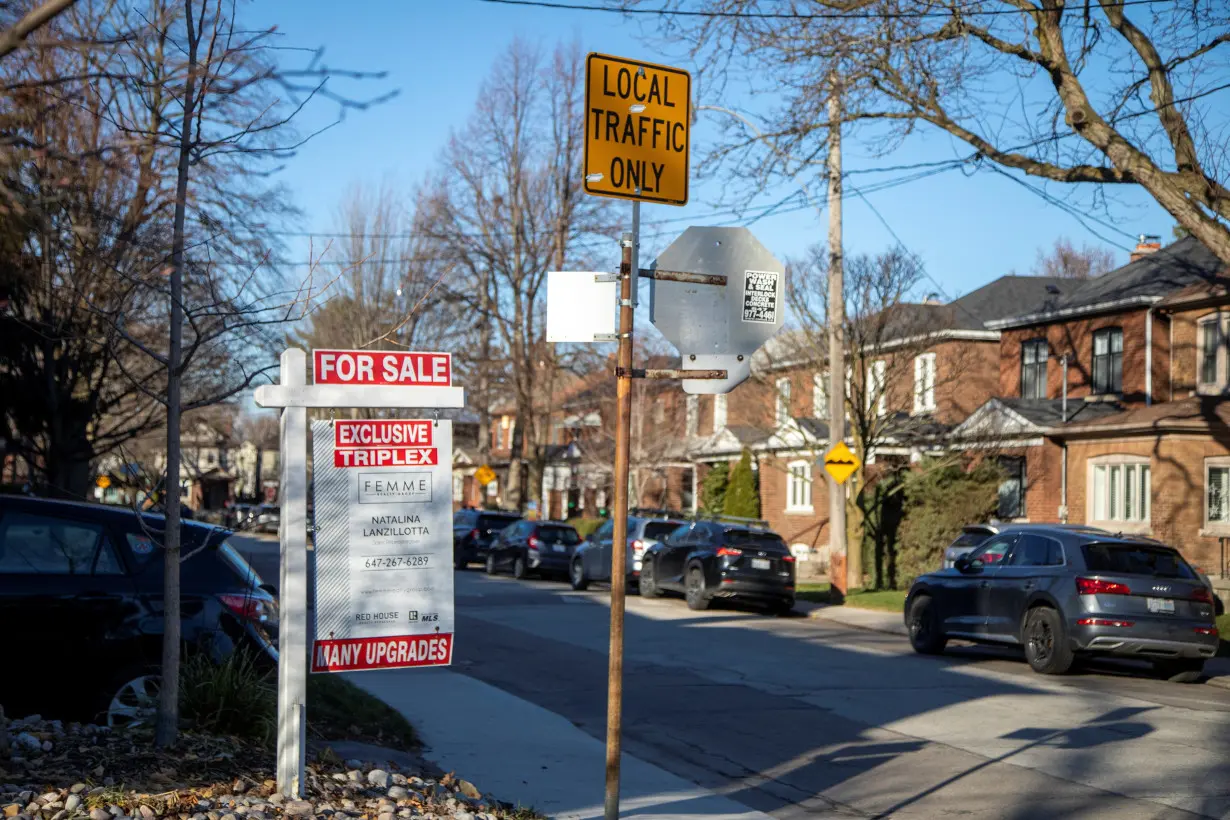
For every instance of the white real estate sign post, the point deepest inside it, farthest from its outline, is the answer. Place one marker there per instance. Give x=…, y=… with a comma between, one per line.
x=374, y=379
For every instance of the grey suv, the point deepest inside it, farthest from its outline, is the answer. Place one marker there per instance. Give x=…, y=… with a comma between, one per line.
x=592, y=560
x=1062, y=592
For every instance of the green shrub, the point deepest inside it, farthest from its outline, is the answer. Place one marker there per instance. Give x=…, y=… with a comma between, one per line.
x=233, y=697
x=742, y=497
x=713, y=489
x=940, y=500
x=585, y=526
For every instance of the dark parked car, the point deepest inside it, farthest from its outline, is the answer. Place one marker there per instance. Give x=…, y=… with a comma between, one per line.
x=266, y=518
x=85, y=581
x=473, y=532
x=974, y=534
x=592, y=561
x=543, y=548
x=1062, y=592
x=707, y=559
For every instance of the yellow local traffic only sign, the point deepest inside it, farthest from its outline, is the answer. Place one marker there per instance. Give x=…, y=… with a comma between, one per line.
x=840, y=462
x=484, y=475
x=637, y=121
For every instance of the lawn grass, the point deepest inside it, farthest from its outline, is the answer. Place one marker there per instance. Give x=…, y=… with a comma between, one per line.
x=339, y=710
x=1223, y=629
x=884, y=600
x=816, y=593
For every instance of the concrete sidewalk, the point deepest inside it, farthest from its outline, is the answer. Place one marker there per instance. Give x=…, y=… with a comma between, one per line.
x=1217, y=669
x=522, y=753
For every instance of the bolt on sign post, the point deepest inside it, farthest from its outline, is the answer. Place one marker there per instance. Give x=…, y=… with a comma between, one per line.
x=638, y=118
x=383, y=540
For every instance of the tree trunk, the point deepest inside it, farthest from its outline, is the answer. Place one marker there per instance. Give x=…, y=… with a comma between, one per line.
x=167, y=727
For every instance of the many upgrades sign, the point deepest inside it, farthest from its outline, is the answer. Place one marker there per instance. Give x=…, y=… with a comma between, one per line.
x=384, y=549
x=637, y=119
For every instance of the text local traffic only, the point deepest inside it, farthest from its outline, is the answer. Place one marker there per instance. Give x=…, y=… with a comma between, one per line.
x=379, y=367
x=384, y=443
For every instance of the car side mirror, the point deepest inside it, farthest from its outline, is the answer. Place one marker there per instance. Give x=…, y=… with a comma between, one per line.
x=965, y=564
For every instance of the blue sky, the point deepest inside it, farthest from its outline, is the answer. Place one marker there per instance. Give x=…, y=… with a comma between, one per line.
x=967, y=229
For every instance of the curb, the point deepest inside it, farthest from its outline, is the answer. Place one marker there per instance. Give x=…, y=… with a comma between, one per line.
x=1220, y=681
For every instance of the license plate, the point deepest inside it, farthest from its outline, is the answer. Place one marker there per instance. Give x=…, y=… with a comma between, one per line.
x=760, y=563
x=1162, y=605
x=558, y=548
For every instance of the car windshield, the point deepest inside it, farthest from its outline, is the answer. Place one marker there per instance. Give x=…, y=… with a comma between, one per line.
x=745, y=538
x=558, y=535
x=657, y=530
x=495, y=522
x=970, y=539
x=1136, y=559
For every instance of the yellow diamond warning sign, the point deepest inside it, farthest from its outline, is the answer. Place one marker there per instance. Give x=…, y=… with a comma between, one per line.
x=637, y=119
x=484, y=475
x=840, y=462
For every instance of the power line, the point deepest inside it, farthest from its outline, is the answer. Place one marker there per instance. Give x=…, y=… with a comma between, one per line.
x=779, y=15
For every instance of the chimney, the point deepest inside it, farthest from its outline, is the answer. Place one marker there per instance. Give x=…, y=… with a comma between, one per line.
x=932, y=299
x=1148, y=244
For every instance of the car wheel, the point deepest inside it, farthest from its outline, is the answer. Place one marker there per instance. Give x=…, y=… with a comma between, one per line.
x=133, y=698
x=460, y=564
x=782, y=609
x=576, y=575
x=648, y=583
x=1187, y=670
x=519, y=570
x=924, y=625
x=1046, y=645
x=698, y=600
x=491, y=563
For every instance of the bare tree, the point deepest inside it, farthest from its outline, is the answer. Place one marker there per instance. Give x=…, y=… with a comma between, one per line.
x=1027, y=85
x=1066, y=261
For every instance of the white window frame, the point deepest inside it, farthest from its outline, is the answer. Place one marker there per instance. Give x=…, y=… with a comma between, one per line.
x=719, y=412
x=1221, y=379
x=799, y=487
x=693, y=415
x=876, y=387
x=820, y=395
x=1121, y=479
x=924, y=383
x=781, y=404
x=1221, y=527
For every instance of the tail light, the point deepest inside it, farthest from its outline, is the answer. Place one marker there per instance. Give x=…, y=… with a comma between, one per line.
x=474, y=534
x=1206, y=630
x=1104, y=622
x=1095, y=586
x=533, y=542
x=729, y=552
x=638, y=547
x=1202, y=594
x=788, y=558
x=257, y=610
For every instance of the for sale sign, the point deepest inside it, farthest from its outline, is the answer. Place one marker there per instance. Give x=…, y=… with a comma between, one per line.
x=384, y=549
x=400, y=369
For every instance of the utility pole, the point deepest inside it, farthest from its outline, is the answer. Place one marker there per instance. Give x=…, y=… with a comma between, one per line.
x=837, y=351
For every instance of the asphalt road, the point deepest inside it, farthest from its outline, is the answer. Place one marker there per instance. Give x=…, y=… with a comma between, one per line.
x=803, y=718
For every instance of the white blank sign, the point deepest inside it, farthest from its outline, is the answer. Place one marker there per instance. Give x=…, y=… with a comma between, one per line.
x=578, y=308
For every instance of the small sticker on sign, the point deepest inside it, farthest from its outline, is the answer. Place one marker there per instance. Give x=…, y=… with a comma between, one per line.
x=760, y=296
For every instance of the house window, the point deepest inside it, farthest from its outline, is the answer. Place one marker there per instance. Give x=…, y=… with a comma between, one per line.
x=781, y=412
x=719, y=412
x=1210, y=342
x=924, y=383
x=693, y=417
x=820, y=396
x=876, y=393
x=1012, y=488
x=1120, y=490
x=1217, y=492
x=1108, y=360
x=798, y=486
x=505, y=439
x=1033, y=369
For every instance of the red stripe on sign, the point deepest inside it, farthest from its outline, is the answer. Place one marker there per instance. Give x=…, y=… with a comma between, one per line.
x=395, y=652
x=387, y=457
x=387, y=433
x=378, y=367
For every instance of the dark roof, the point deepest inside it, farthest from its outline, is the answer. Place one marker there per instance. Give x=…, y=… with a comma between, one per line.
x=1005, y=297
x=813, y=427
x=746, y=434
x=1203, y=413
x=1149, y=278
x=1049, y=412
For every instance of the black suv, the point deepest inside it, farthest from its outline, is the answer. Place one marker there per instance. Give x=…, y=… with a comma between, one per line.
x=473, y=532
x=708, y=559
x=543, y=548
x=87, y=580
x=1061, y=592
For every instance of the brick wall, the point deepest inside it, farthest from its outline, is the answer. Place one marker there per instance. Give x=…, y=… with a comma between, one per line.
x=1076, y=339
x=1185, y=356
x=810, y=528
x=967, y=376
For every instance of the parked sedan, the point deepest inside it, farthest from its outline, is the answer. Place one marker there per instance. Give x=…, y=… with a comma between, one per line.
x=87, y=580
x=1064, y=592
x=592, y=561
x=706, y=560
x=543, y=548
x=473, y=532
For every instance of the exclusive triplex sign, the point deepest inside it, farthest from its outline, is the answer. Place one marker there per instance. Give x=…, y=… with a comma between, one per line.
x=384, y=564
x=637, y=119
x=380, y=367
